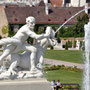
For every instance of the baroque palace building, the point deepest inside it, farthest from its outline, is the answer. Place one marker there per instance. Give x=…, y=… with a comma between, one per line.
x=75, y=3
x=55, y=3
x=22, y=2
x=45, y=13
x=78, y=3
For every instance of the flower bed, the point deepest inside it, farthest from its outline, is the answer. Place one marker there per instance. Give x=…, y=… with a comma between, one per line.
x=62, y=67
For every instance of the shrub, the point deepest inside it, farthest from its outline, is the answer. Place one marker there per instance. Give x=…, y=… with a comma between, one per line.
x=5, y=29
x=41, y=30
x=0, y=37
x=66, y=46
x=30, y=40
x=0, y=46
x=69, y=44
x=76, y=30
x=54, y=67
x=58, y=39
x=74, y=43
x=11, y=33
x=51, y=47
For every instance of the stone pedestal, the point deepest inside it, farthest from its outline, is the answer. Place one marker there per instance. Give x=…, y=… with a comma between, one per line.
x=26, y=84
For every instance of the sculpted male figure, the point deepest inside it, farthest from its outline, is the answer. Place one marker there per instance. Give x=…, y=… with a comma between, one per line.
x=17, y=42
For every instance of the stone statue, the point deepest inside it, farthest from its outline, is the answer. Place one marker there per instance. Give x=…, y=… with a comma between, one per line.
x=32, y=58
x=17, y=42
x=78, y=45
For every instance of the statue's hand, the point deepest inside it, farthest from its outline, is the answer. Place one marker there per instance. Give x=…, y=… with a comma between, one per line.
x=50, y=32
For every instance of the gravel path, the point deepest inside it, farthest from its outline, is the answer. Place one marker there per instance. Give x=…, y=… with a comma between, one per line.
x=57, y=62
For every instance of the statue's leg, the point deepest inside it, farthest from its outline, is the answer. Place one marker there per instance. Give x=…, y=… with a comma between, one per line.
x=40, y=59
x=33, y=51
x=32, y=60
x=5, y=41
x=13, y=66
x=9, y=40
x=15, y=60
x=2, y=42
x=6, y=52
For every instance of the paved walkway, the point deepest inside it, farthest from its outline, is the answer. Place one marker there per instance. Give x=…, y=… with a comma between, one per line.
x=57, y=62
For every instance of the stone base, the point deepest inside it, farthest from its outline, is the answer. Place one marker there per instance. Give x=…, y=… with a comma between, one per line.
x=26, y=84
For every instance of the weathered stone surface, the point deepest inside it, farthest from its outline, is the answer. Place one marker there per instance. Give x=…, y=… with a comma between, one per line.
x=26, y=84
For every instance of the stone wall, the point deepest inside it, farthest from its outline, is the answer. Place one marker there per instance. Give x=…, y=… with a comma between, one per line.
x=78, y=3
x=3, y=20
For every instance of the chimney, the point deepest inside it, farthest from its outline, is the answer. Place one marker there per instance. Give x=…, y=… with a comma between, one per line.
x=86, y=8
x=79, y=3
x=46, y=7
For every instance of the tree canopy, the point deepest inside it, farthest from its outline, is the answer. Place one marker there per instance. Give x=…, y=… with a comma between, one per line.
x=76, y=30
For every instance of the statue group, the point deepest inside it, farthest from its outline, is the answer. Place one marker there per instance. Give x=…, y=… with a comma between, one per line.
x=29, y=63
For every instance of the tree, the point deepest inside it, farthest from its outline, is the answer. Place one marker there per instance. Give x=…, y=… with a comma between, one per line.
x=66, y=46
x=5, y=29
x=76, y=30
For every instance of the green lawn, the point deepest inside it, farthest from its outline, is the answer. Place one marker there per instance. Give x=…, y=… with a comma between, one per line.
x=65, y=55
x=65, y=76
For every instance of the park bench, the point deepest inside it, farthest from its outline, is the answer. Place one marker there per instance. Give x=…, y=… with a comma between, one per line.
x=70, y=86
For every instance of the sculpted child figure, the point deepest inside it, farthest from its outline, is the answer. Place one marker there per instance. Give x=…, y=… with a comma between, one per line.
x=43, y=45
x=17, y=42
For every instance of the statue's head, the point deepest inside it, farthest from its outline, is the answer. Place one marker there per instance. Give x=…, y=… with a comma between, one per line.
x=50, y=31
x=30, y=21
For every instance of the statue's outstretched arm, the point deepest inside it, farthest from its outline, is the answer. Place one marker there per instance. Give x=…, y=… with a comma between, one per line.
x=36, y=36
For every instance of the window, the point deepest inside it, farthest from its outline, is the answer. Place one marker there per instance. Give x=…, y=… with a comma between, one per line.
x=87, y=1
x=65, y=19
x=49, y=1
x=67, y=1
x=13, y=12
x=49, y=19
x=15, y=19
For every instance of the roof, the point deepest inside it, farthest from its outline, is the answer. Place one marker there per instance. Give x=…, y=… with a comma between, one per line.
x=41, y=3
x=53, y=3
x=56, y=3
x=57, y=15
